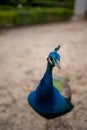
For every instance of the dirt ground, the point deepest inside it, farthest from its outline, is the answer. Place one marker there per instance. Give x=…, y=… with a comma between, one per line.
x=23, y=53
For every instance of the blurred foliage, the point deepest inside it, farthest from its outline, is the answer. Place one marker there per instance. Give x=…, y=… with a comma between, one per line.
x=13, y=2
x=27, y=12
x=61, y=3
x=16, y=2
x=3, y=7
x=33, y=15
x=7, y=18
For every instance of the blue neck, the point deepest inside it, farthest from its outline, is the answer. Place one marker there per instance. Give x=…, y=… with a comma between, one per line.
x=47, y=78
x=48, y=71
x=44, y=89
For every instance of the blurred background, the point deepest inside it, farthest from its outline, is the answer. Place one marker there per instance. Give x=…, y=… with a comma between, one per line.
x=29, y=30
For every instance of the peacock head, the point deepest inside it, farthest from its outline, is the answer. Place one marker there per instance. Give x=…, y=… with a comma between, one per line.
x=54, y=58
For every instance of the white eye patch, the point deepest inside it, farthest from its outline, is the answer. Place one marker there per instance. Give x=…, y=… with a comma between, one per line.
x=51, y=60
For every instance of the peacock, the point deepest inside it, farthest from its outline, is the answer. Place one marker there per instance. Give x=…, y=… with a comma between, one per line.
x=52, y=97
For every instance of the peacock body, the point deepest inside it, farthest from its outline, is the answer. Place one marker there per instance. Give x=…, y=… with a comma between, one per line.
x=50, y=98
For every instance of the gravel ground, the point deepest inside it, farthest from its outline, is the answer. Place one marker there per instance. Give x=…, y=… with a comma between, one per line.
x=23, y=53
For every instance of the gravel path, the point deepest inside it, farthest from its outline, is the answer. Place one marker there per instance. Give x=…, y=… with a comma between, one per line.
x=23, y=54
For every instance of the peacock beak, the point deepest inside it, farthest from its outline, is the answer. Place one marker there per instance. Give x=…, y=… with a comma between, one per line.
x=57, y=63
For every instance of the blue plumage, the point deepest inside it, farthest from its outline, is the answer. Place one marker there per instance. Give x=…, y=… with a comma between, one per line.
x=46, y=100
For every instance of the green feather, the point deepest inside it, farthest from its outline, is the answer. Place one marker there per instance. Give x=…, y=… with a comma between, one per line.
x=58, y=84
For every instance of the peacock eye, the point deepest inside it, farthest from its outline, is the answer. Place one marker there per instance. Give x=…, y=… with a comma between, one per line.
x=52, y=59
